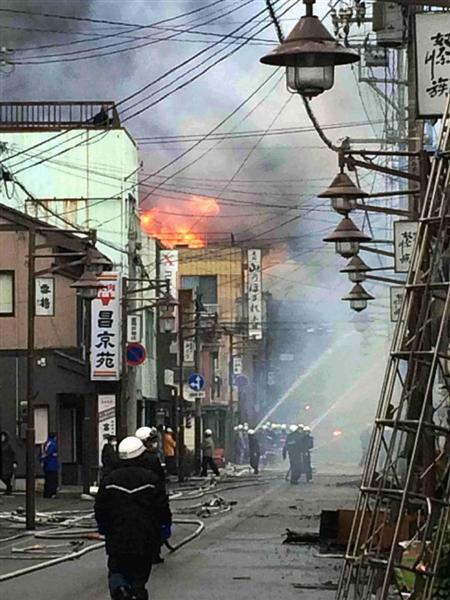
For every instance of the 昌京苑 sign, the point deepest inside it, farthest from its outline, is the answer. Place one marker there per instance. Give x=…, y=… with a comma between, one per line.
x=254, y=289
x=405, y=233
x=105, y=329
x=433, y=63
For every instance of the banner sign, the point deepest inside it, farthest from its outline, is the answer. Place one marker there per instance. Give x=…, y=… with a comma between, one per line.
x=405, y=233
x=169, y=269
x=106, y=420
x=254, y=290
x=189, y=352
x=45, y=297
x=397, y=295
x=134, y=328
x=105, y=329
x=433, y=62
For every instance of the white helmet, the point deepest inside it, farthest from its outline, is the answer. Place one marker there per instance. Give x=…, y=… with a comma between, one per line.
x=251, y=432
x=169, y=430
x=306, y=428
x=301, y=426
x=236, y=428
x=246, y=427
x=284, y=426
x=240, y=427
x=293, y=428
x=130, y=447
x=143, y=433
x=208, y=432
x=265, y=427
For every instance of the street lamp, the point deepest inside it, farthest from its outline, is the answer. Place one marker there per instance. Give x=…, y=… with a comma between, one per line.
x=347, y=238
x=167, y=320
x=343, y=194
x=356, y=269
x=87, y=285
x=358, y=298
x=310, y=54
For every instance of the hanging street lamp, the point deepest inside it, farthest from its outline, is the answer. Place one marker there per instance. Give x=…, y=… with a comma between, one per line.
x=343, y=194
x=167, y=319
x=358, y=298
x=87, y=285
x=356, y=269
x=310, y=54
x=347, y=238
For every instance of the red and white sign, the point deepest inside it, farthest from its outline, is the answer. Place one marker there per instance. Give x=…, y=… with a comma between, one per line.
x=105, y=329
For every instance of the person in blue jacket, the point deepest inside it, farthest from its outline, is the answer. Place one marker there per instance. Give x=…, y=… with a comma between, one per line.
x=50, y=465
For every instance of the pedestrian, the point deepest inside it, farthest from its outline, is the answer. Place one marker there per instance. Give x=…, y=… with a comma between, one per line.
x=208, y=454
x=293, y=448
x=131, y=510
x=149, y=437
x=109, y=457
x=309, y=445
x=8, y=463
x=254, y=450
x=170, y=445
x=50, y=464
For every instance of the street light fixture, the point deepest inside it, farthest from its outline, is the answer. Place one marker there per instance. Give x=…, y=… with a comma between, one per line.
x=347, y=238
x=87, y=285
x=310, y=54
x=167, y=320
x=358, y=298
x=356, y=269
x=343, y=194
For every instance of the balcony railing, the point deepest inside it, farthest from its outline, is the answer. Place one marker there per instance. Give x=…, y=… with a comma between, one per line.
x=58, y=115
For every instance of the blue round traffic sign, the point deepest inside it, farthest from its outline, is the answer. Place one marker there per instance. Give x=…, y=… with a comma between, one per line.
x=241, y=380
x=196, y=382
x=136, y=354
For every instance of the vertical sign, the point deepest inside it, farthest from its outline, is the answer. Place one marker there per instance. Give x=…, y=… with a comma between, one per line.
x=397, y=295
x=169, y=268
x=405, y=233
x=45, y=297
x=105, y=329
x=254, y=295
x=189, y=352
x=106, y=420
x=433, y=63
x=237, y=365
x=134, y=328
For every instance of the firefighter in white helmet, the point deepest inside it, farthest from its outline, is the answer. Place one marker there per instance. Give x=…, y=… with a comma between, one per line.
x=208, y=454
x=149, y=437
x=131, y=508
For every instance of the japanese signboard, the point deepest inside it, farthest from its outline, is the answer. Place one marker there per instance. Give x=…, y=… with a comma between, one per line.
x=169, y=378
x=433, y=62
x=106, y=420
x=169, y=268
x=405, y=233
x=397, y=295
x=45, y=297
x=237, y=365
x=105, y=330
x=189, y=352
x=134, y=328
x=254, y=290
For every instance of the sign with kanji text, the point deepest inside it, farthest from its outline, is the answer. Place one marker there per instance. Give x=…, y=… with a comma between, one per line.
x=169, y=269
x=106, y=330
x=134, y=328
x=45, y=297
x=405, y=233
x=254, y=291
x=433, y=62
x=106, y=420
x=397, y=295
x=237, y=365
x=189, y=352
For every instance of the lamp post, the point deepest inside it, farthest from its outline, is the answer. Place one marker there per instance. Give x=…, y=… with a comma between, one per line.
x=347, y=238
x=310, y=54
x=87, y=287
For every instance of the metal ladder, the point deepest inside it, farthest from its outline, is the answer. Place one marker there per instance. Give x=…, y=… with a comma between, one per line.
x=405, y=490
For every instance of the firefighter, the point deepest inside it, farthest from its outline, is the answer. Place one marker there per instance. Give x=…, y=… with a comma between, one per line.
x=208, y=454
x=293, y=449
x=308, y=446
x=110, y=459
x=254, y=450
x=131, y=510
x=149, y=437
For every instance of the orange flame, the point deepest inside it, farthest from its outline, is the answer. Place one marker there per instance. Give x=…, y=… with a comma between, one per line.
x=175, y=226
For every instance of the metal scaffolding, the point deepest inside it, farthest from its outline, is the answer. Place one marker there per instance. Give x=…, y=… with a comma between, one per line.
x=402, y=512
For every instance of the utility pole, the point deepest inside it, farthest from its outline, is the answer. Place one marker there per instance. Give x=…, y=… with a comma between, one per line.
x=31, y=433
x=229, y=445
x=179, y=398
x=129, y=306
x=198, y=401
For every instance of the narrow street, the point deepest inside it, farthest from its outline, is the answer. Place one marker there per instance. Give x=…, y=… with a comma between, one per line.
x=239, y=555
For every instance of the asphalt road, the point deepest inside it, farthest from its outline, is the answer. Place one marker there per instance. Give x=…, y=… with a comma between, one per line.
x=239, y=556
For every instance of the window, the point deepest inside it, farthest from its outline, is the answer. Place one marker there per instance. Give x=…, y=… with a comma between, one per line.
x=205, y=284
x=6, y=293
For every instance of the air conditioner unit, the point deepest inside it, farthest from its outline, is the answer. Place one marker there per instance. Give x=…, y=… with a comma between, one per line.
x=389, y=24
